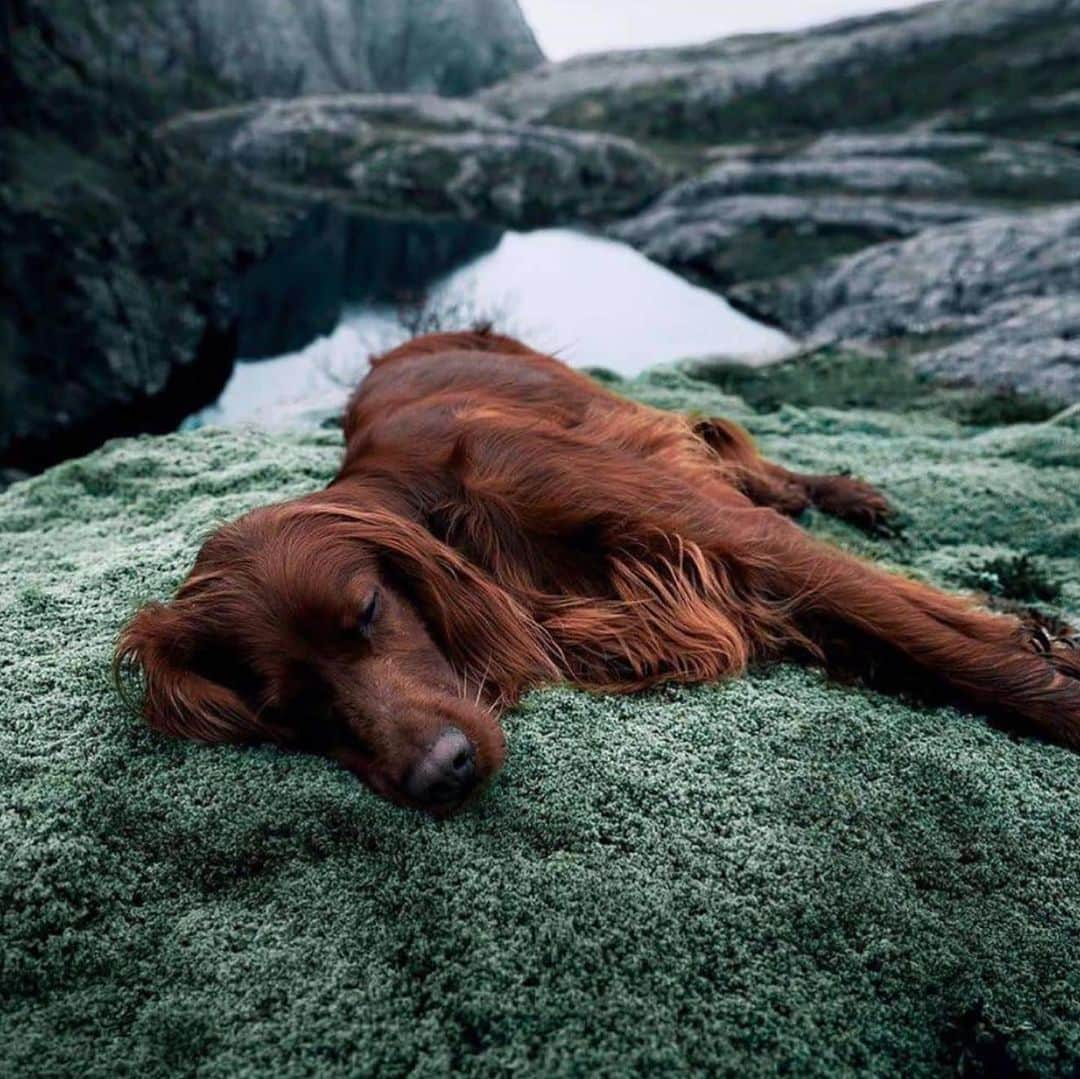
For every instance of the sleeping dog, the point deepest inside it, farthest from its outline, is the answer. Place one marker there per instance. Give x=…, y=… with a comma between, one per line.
x=501, y=521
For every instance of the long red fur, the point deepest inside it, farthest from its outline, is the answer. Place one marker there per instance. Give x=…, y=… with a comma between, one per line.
x=554, y=531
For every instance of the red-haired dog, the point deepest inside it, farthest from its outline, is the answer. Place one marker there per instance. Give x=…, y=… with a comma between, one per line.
x=500, y=522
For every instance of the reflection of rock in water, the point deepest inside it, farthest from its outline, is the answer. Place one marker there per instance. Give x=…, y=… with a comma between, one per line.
x=297, y=293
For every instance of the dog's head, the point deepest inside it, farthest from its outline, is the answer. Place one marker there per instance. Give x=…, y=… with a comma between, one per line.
x=351, y=634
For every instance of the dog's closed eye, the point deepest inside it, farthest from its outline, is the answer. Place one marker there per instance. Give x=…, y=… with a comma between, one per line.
x=369, y=613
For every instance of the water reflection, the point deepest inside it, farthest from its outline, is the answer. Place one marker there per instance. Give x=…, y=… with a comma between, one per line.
x=334, y=261
x=591, y=301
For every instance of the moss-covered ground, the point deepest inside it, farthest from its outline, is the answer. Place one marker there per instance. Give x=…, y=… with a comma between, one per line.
x=779, y=875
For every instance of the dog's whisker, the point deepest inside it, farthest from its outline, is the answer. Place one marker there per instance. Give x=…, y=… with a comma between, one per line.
x=483, y=682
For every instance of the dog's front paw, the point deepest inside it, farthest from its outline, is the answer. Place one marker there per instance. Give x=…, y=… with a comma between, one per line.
x=860, y=504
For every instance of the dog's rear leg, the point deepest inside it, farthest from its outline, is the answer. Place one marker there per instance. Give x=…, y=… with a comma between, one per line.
x=984, y=659
x=769, y=484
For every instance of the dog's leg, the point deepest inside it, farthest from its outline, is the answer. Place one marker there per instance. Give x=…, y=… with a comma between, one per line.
x=927, y=637
x=771, y=485
x=770, y=580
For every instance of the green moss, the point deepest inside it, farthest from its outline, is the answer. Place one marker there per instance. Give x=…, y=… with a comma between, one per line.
x=827, y=376
x=775, y=875
x=845, y=379
x=994, y=408
x=603, y=374
x=1016, y=577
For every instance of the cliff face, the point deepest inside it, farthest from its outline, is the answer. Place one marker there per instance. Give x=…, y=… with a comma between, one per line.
x=116, y=305
x=281, y=48
x=198, y=49
x=110, y=314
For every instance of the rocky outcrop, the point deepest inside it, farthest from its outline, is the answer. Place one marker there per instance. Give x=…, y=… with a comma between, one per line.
x=995, y=300
x=884, y=69
x=760, y=213
x=721, y=240
x=774, y=197
x=414, y=154
x=198, y=49
x=915, y=163
x=117, y=298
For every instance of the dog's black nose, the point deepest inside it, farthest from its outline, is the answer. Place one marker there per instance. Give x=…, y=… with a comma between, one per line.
x=446, y=773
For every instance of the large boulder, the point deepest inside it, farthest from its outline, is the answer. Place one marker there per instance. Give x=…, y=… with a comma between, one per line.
x=778, y=875
x=409, y=154
x=1010, y=279
x=284, y=48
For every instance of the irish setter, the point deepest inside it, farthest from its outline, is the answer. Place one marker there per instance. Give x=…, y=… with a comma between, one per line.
x=501, y=521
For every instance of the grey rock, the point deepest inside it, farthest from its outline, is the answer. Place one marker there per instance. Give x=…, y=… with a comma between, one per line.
x=1027, y=344
x=409, y=155
x=855, y=173
x=518, y=176
x=720, y=240
x=901, y=144
x=978, y=278
x=910, y=163
x=293, y=47
x=312, y=137
x=285, y=48
x=1025, y=170
x=855, y=73
x=1038, y=115
x=312, y=142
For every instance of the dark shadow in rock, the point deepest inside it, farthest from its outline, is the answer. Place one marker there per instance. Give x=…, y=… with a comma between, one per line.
x=188, y=387
x=298, y=291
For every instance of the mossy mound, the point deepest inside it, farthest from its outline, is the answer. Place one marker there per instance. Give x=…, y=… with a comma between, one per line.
x=779, y=874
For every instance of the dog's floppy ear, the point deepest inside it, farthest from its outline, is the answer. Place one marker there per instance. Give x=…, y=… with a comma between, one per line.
x=161, y=643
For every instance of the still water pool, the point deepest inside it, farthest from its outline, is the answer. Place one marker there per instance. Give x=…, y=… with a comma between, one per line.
x=590, y=301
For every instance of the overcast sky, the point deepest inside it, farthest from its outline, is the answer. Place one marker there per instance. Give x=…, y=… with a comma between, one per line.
x=565, y=27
